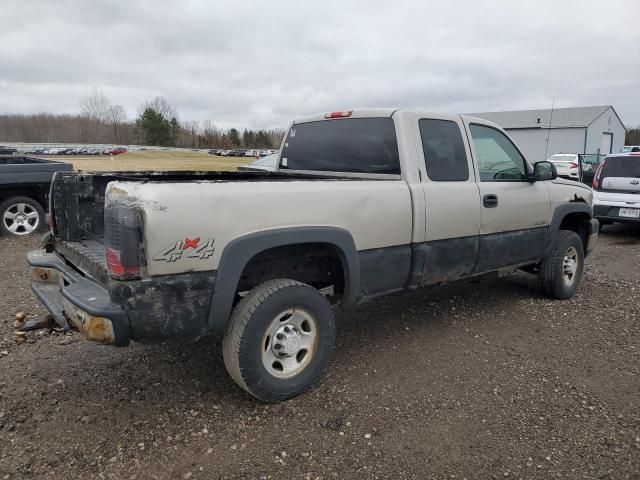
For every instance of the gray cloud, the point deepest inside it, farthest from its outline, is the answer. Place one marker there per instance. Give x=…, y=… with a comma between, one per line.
x=262, y=64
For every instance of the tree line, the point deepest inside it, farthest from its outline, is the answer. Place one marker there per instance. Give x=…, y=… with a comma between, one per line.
x=632, y=136
x=102, y=121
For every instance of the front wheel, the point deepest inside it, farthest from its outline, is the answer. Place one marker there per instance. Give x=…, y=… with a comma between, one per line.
x=279, y=340
x=560, y=273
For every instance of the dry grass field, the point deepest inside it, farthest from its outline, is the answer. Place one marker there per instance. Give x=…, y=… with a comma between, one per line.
x=153, y=160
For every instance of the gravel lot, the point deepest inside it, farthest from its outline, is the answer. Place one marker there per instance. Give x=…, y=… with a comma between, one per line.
x=473, y=380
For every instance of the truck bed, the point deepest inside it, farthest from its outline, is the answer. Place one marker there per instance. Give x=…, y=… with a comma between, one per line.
x=78, y=197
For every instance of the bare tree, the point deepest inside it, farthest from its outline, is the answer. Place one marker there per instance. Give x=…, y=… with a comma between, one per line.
x=161, y=105
x=116, y=118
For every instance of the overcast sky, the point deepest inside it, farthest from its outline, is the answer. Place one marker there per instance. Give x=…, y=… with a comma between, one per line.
x=261, y=64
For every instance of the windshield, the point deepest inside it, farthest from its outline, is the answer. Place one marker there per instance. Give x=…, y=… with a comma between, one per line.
x=359, y=145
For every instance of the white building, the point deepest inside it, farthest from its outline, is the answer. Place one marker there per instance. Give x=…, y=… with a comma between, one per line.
x=567, y=130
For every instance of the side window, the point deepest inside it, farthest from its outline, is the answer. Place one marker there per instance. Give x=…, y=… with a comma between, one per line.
x=498, y=159
x=444, y=154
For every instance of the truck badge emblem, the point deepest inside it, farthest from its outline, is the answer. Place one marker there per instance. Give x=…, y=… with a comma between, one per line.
x=178, y=250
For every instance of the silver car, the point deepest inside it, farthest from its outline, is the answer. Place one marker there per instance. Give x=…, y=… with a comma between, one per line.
x=616, y=186
x=264, y=164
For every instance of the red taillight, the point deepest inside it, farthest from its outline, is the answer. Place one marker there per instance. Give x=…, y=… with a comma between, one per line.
x=573, y=165
x=115, y=266
x=596, y=177
x=346, y=113
x=124, y=251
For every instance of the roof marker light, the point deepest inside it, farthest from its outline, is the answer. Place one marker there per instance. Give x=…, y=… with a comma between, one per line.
x=344, y=114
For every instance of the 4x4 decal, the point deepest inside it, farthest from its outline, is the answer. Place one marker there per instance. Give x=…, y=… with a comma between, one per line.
x=187, y=248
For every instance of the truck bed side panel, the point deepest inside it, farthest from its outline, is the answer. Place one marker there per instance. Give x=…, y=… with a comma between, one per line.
x=376, y=213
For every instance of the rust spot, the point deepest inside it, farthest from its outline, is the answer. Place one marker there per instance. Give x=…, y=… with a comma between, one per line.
x=41, y=274
x=98, y=329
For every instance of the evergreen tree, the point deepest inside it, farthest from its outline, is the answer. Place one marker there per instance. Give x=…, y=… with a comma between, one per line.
x=233, y=137
x=154, y=128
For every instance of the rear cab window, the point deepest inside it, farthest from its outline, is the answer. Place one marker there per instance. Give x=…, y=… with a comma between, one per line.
x=350, y=145
x=444, y=154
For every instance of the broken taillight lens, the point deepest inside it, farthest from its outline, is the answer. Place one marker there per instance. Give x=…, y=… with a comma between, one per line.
x=115, y=265
x=124, y=252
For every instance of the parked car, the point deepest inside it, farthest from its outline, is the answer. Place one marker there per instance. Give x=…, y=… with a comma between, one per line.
x=7, y=150
x=363, y=204
x=268, y=163
x=629, y=148
x=238, y=152
x=616, y=186
x=118, y=151
x=24, y=190
x=567, y=164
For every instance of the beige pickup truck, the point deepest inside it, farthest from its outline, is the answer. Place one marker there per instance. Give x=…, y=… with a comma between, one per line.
x=363, y=203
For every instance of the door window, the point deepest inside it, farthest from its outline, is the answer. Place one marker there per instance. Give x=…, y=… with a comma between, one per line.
x=443, y=149
x=497, y=157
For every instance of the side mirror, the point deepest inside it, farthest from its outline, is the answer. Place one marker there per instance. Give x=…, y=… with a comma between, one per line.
x=543, y=170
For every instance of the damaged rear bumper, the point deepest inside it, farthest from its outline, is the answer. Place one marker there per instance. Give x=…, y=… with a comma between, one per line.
x=72, y=298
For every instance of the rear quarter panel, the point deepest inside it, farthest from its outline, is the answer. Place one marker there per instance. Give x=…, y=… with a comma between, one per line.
x=376, y=213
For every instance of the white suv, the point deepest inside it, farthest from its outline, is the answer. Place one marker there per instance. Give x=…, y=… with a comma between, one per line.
x=616, y=186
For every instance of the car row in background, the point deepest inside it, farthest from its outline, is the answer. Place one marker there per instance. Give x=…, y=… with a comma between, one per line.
x=76, y=151
x=242, y=152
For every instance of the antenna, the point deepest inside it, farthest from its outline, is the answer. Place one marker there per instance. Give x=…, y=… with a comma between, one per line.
x=546, y=149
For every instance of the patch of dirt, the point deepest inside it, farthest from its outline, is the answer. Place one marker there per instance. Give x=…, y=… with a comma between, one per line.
x=471, y=380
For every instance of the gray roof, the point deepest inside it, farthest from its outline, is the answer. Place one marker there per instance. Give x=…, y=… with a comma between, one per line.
x=562, y=117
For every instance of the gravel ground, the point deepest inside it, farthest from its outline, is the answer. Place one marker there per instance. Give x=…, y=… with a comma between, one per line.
x=473, y=380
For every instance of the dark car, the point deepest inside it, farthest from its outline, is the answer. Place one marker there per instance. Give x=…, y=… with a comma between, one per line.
x=7, y=150
x=24, y=191
x=238, y=152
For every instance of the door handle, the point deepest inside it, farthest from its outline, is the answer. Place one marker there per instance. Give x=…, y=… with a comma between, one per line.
x=490, y=200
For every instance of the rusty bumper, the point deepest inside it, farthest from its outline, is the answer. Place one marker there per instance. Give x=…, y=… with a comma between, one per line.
x=77, y=300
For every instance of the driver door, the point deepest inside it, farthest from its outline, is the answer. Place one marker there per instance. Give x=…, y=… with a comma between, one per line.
x=515, y=212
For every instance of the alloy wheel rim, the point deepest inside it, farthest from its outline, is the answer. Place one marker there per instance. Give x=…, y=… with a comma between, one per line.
x=21, y=219
x=289, y=343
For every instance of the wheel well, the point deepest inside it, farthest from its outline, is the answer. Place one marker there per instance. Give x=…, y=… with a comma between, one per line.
x=577, y=222
x=35, y=193
x=317, y=264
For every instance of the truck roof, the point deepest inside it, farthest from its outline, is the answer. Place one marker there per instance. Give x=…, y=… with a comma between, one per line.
x=386, y=112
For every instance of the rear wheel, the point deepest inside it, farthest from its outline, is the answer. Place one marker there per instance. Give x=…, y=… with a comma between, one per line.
x=21, y=216
x=279, y=340
x=560, y=273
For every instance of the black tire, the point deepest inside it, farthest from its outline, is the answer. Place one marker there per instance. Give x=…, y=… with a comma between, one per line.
x=244, y=342
x=551, y=276
x=9, y=206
